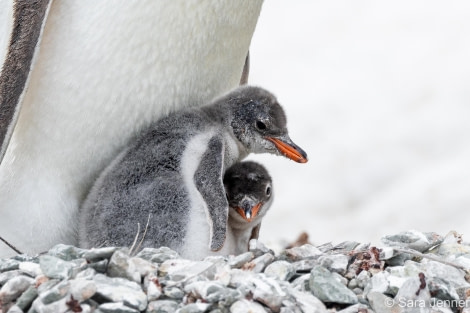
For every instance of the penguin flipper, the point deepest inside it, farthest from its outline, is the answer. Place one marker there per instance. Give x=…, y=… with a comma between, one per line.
x=208, y=180
x=28, y=22
x=255, y=232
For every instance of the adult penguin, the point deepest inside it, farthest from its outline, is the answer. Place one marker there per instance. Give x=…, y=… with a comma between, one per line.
x=87, y=76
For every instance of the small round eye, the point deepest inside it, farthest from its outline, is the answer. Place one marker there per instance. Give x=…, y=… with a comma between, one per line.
x=260, y=125
x=268, y=190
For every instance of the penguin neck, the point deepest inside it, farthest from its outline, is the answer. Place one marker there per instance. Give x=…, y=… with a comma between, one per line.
x=221, y=113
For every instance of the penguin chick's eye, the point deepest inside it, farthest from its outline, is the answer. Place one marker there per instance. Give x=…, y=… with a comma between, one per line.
x=268, y=191
x=260, y=125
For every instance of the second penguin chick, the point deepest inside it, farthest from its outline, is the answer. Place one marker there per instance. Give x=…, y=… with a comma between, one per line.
x=248, y=187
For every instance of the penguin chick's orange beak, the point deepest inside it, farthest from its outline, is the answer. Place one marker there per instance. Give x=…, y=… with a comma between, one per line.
x=250, y=214
x=294, y=153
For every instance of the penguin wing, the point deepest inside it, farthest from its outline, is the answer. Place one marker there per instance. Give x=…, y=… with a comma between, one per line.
x=208, y=180
x=255, y=232
x=28, y=22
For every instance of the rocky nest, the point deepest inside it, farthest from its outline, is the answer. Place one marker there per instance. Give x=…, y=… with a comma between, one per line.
x=412, y=272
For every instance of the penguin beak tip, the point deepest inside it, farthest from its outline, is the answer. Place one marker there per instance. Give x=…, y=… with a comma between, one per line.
x=289, y=149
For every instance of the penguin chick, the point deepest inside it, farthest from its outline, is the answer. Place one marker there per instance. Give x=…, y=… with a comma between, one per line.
x=172, y=174
x=249, y=192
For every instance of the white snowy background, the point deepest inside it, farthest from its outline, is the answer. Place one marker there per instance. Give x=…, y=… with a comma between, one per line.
x=378, y=94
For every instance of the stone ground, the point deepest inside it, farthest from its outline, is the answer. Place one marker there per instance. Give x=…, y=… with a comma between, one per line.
x=411, y=272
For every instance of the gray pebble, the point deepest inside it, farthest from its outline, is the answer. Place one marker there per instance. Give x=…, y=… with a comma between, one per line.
x=15, y=309
x=54, y=307
x=162, y=306
x=258, y=248
x=195, y=308
x=303, y=252
x=302, y=283
x=14, y=288
x=47, y=285
x=82, y=289
x=54, y=267
x=88, y=274
x=8, y=265
x=363, y=279
x=116, y=307
x=159, y=255
x=382, y=304
x=173, y=292
x=260, y=263
x=27, y=298
x=121, y=290
x=120, y=266
x=281, y=270
x=6, y=276
x=241, y=259
x=98, y=254
x=56, y=293
x=378, y=283
x=345, y=247
x=154, y=289
x=100, y=266
x=244, y=306
x=30, y=268
x=387, y=253
x=356, y=308
x=66, y=252
x=325, y=287
x=305, y=265
x=413, y=240
x=337, y=263
x=307, y=302
x=353, y=284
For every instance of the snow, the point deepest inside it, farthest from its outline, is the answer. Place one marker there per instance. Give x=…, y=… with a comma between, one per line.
x=378, y=94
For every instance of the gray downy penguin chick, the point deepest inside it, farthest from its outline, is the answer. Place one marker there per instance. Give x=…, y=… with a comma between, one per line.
x=249, y=192
x=172, y=175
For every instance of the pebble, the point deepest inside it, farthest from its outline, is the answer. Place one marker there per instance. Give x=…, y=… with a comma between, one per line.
x=260, y=263
x=121, y=266
x=258, y=248
x=54, y=267
x=30, y=268
x=348, y=277
x=13, y=288
x=413, y=240
x=307, y=302
x=281, y=270
x=56, y=293
x=195, y=308
x=121, y=290
x=244, y=306
x=162, y=306
x=325, y=287
x=306, y=251
x=82, y=289
x=116, y=307
x=337, y=263
x=381, y=303
x=25, y=300
x=239, y=260
x=173, y=292
x=66, y=252
x=98, y=254
x=158, y=255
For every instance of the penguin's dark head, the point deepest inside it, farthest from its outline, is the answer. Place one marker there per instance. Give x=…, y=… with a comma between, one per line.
x=248, y=187
x=259, y=123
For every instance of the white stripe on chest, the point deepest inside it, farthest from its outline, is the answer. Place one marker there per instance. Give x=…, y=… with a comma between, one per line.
x=197, y=230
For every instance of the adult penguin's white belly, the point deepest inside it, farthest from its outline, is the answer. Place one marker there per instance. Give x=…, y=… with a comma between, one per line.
x=104, y=70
